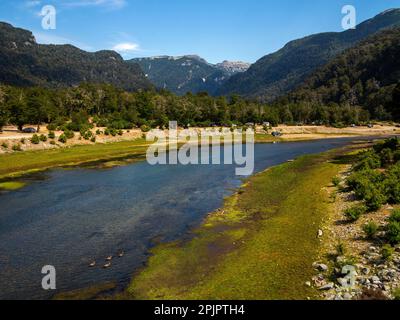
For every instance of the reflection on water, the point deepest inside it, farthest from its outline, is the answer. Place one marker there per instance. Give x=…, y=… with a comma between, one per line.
x=76, y=216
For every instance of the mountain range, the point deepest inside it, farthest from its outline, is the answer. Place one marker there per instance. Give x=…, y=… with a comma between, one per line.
x=24, y=62
x=188, y=73
x=278, y=73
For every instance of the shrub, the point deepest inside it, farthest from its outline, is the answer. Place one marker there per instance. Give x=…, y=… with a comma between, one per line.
x=396, y=156
x=336, y=181
x=52, y=127
x=395, y=216
x=52, y=135
x=93, y=139
x=23, y=140
x=145, y=128
x=52, y=142
x=43, y=138
x=113, y=132
x=370, y=229
x=368, y=160
x=354, y=213
x=340, y=249
x=98, y=132
x=63, y=138
x=120, y=132
x=387, y=157
x=107, y=132
x=387, y=252
x=35, y=139
x=374, y=199
x=16, y=147
x=87, y=135
x=69, y=134
x=4, y=145
x=393, y=232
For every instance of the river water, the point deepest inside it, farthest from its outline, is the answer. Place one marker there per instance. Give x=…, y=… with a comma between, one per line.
x=69, y=217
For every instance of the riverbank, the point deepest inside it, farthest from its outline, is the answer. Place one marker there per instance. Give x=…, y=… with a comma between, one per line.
x=260, y=245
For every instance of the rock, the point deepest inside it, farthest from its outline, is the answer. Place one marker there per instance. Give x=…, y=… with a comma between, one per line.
x=347, y=296
x=373, y=249
x=320, y=233
x=328, y=286
x=322, y=267
x=375, y=280
x=308, y=284
x=343, y=282
x=366, y=271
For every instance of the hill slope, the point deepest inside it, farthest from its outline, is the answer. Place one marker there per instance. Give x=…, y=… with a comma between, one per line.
x=188, y=73
x=280, y=72
x=23, y=62
x=367, y=75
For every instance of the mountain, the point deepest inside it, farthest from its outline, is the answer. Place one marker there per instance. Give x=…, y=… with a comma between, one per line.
x=188, y=73
x=23, y=62
x=367, y=75
x=232, y=67
x=278, y=73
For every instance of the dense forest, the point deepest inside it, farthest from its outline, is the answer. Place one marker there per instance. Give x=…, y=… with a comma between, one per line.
x=116, y=108
x=367, y=75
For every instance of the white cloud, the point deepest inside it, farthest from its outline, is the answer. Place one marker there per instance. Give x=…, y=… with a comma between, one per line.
x=126, y=47
x=32, y=3
x=113, y=4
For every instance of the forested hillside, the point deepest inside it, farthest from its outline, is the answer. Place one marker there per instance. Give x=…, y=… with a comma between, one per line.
x=276, y=74
x=367, y=75
x=23, y=62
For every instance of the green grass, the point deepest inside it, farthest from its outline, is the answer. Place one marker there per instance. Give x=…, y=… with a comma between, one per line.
x=16, y=164
x=11, y=185
x=261, y=245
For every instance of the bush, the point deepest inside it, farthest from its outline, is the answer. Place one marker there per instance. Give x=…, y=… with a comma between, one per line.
x=63, y=138
x=145, y=128
x=87, y=135
x=340, y=249
x=23, y=140
x=69, y=134
x=370, y=229
x=107, y=132
x=4, y=145
x=52, y=142
x=387, y=157
x=43, y=138
x=374, y=199
x=368, y=160
x=393, y=232
x=16, y=147
x=52, y=127
x=35, y=139
x=336, y=181
x=354, y=213
x=120, y=132
x=52, y=135
x=98, y=132
x=387, y=252
x=395, y=216
x=93, y=139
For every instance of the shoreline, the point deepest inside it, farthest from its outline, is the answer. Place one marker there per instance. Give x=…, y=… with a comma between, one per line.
x=18, y=164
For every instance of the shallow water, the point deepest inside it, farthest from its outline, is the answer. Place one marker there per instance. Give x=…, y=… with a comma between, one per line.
x=68, y=218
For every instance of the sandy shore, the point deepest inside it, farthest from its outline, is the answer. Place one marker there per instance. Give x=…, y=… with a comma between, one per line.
x=10, y=135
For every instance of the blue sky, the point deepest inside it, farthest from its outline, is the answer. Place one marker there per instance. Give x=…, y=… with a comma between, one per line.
x=217, y=30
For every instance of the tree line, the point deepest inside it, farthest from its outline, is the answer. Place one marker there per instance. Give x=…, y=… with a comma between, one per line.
x=116, y=108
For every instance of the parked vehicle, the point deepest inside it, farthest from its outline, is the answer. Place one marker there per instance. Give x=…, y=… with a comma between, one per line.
x=29, y=130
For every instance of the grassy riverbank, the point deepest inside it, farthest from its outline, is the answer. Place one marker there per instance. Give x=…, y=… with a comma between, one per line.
x=18, y=163
x=260, y=245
